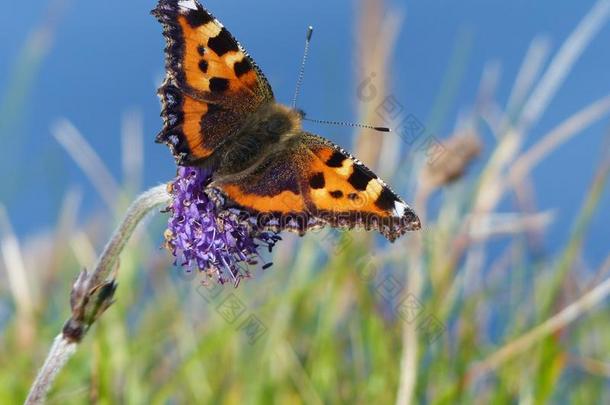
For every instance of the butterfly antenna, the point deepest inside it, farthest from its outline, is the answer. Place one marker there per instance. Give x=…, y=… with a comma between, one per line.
x=349, y=124
x=302, y=69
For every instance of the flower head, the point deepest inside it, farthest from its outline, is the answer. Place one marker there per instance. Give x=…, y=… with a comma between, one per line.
x=202, y=233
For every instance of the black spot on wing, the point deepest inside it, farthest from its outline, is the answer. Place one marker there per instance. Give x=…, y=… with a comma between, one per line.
x=218, y=85
x=317, y=181
x=203, y=66
x=359, y=179
x=365, y=169
x=242, y=67
x=336, y=159
x=386, y=200
x=222, y=43
x=199, y=17
x=336, y=194
x=201, y=50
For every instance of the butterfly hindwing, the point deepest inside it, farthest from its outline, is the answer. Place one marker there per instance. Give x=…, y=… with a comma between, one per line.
x=212, y=85
x=314, y=183
x=273, y=194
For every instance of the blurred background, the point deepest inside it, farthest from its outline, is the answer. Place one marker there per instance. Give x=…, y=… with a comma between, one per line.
x=500, y=116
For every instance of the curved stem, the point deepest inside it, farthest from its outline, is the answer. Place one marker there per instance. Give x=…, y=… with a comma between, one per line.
x=148, y=200
x=58, y=356
x=92, y=293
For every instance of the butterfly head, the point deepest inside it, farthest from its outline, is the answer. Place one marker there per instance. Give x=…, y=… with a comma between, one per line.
x=301, y=113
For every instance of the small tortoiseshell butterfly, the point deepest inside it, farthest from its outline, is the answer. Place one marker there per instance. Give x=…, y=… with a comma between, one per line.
x=219, y=113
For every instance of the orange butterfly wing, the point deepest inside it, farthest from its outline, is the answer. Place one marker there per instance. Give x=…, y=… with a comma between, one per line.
x=346, y=194
x=317, y=183
x=212, y=85
x=273, y=194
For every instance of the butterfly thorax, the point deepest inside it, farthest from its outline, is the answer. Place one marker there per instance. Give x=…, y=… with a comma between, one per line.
x=270, y=130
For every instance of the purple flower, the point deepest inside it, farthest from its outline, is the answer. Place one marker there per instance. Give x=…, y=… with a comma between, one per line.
x=202, y=233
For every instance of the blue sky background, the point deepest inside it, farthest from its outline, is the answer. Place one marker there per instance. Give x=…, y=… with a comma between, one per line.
x=107, y=58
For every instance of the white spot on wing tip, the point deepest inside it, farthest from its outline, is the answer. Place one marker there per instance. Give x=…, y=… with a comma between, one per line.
x=400, y=208
x=187, y=4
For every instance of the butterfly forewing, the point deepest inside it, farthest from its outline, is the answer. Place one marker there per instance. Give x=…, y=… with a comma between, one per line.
x=344, y=192
x=212, y=85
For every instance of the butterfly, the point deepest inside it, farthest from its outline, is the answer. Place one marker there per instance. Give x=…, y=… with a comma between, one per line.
x=219, y=113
